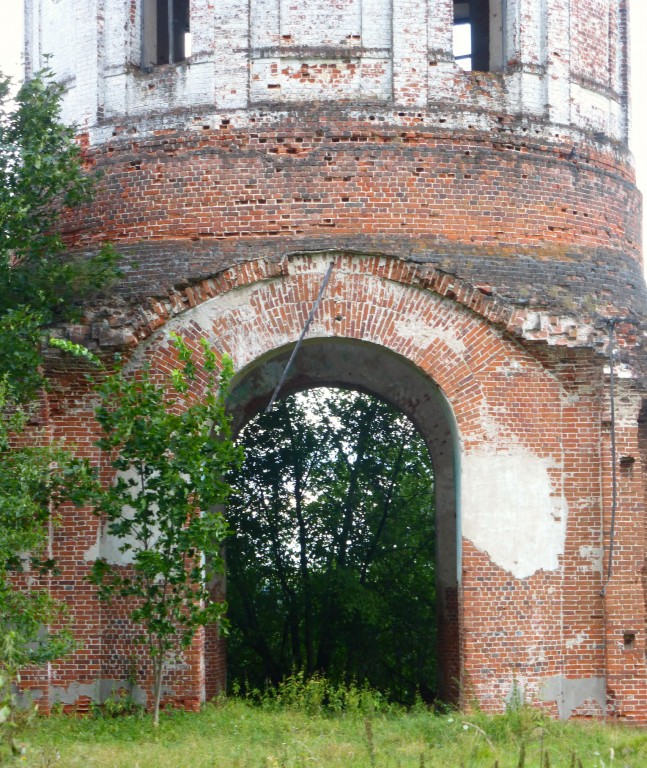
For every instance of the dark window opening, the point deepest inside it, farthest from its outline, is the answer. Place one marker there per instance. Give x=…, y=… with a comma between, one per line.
x=478, y=34
x=166, y=35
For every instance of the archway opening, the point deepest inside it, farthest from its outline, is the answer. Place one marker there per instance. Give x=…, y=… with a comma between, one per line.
x=372, y=374
x=331, y=564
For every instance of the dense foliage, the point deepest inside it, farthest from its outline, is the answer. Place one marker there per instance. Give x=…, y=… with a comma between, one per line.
x=332, y=564
x=41, y=173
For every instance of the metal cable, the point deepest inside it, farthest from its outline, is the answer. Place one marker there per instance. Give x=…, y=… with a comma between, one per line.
x=315, y=306
x=611, y=323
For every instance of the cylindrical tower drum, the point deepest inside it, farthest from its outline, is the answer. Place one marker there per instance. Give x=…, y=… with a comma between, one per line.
x=477, y=150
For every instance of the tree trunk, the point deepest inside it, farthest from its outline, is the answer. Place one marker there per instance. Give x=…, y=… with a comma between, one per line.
x=365, y=427
x=254, y=632
x=328, y=624
x=288, y=592
x=158, y=674
x=304, y=569
x=386, y=506
x=304, y=565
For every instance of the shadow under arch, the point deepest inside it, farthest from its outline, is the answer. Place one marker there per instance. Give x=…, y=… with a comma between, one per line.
x=376, y=370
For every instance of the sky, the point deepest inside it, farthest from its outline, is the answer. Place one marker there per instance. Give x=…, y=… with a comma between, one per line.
x=11, y=39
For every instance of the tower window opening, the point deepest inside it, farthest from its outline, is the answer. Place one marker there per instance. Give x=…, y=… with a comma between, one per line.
x=462, y=35
x=478, y=34
x=166, y=34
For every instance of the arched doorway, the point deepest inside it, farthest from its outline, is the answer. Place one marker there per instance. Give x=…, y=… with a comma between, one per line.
x=495, y=419
x=369, y=368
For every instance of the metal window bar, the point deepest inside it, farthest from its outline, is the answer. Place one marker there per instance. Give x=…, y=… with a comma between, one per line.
x=170, y=31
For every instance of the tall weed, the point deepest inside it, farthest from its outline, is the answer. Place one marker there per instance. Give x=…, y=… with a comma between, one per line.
x=316, y=695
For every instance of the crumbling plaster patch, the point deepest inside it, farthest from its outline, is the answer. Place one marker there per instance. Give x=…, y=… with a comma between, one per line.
x=426, y=337
x=109, y=548
x=572, y=693
x=118, y=550
x=98, y=691
x=593, y=559
x=579, y=638
x=510, y=509
x=237, y=305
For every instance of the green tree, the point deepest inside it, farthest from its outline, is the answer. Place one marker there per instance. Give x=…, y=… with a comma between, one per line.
x=332, y=564
x=41, y=175
x=171, y=451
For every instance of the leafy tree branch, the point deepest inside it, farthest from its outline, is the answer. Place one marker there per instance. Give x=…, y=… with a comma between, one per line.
x=171, y=452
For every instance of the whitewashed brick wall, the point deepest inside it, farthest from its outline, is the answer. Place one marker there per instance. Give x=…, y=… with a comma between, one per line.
x=564, y=59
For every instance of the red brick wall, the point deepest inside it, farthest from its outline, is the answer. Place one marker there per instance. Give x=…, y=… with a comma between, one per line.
x=538, y=630
x=319, y=175
x=547, y=225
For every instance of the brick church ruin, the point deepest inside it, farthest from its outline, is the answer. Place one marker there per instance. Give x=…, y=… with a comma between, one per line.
x=479, y=206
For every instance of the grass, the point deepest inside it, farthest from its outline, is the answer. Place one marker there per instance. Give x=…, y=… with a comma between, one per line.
x=241, y=734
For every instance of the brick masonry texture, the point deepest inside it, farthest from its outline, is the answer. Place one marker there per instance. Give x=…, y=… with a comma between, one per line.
x=482, y=226
x=474, y=206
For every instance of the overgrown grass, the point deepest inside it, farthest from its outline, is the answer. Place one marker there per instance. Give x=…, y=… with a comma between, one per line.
x=316, y=724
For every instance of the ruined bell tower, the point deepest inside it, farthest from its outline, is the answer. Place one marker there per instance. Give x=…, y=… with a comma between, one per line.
x=464, y=167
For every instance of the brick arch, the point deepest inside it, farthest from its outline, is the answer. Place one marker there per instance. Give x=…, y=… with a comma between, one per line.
x=501, y=397
x=452, y=331
x=477, y=298
x=507, y=407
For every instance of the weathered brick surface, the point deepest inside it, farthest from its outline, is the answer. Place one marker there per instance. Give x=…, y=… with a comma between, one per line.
x=564, y=59
x=530, y=614
x=482, y=226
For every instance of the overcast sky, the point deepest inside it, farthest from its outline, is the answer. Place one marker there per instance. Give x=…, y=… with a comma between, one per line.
x=11, y=48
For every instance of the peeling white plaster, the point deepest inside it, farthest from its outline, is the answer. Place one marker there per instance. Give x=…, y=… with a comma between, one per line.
x=60, y=694
x=570, y=694
x=94, y=552
x=27, y=699
x=594, y=555
x=579, y=638
x=516, y=695
x=237, y=310
x=412, y=327
x=176, y=664
x=511, y=511
x=237, y=303
x=541, y=326
x=107, y=688
x=98, y=691
x=491, y=425
x=237, y=300
x=621, y=371
x=109, y=547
